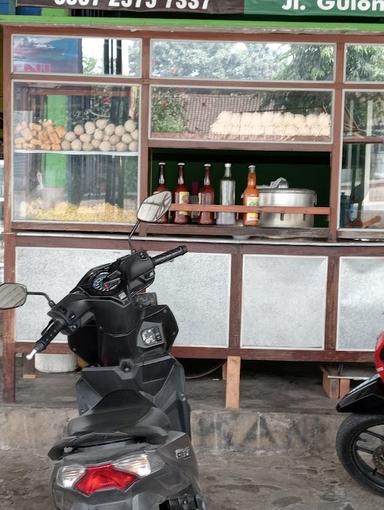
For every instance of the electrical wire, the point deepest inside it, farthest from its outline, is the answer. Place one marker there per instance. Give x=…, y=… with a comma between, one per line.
x=207, y=372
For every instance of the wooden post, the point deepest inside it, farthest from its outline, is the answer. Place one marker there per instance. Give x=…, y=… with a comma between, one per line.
x=8, y=236
x=9, y=362
x=232, y=396
x=9, y=372
x=331, y=386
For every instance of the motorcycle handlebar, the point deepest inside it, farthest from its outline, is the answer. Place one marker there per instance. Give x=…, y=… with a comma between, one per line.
x=57, y=325
x=169, y=255
x=46, y=338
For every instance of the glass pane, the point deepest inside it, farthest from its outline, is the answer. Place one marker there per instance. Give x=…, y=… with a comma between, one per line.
x=364, y=114
x=362, y=186
x=365, y=62
x=241, y=115
x=75, y=152
x=242, y=60
x=91, y=56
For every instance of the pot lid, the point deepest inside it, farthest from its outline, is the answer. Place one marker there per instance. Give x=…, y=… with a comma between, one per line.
x=286, y=191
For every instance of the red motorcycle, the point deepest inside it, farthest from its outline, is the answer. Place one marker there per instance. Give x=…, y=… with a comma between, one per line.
x=360, y=438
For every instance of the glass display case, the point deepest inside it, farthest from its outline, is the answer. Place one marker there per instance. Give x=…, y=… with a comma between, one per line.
x=362, y=173
x=75, y=131
x=75, y=152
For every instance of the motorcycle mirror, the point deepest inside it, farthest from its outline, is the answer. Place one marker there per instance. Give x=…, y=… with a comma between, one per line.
x=12, y=295
x=154, y=207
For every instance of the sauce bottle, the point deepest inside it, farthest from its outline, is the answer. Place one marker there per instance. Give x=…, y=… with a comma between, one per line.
x=227, y=197
x=251, y=198
x=181, y=196
x=207, y=197
x=161, y=186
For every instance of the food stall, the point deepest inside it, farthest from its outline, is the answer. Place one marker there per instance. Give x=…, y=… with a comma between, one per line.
x=93, y=105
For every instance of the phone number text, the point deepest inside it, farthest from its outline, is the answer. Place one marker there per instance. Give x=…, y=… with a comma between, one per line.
x=192, y=5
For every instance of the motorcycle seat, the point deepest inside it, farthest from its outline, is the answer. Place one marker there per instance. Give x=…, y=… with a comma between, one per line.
x=122, y=411
x=152, y=435
x=120, y=416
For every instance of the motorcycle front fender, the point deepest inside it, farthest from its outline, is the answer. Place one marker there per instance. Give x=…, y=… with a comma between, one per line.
x=367, y=398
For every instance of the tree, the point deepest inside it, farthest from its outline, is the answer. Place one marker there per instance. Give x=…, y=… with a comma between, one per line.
x=167, y=111
x=212, y=60
x=363, y=63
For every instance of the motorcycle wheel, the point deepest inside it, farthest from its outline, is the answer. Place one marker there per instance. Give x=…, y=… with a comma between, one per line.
x=360, y=448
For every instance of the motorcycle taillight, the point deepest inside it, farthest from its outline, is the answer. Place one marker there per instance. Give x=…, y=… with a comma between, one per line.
x=379, y=356
x=104, y=477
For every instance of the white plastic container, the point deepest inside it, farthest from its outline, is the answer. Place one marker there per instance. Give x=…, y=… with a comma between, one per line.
x=55, y=363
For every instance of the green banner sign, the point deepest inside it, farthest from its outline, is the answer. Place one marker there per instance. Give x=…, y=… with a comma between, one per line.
x=344, y=8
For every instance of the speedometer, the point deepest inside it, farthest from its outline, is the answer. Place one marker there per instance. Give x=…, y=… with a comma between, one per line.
x=98, y=281
x=101, y=283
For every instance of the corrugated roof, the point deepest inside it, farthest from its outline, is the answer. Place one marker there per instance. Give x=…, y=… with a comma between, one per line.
x=201, y=110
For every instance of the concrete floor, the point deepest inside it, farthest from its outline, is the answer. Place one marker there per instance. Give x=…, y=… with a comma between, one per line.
x=265, y=386
x=230, y=481
x=250, y=479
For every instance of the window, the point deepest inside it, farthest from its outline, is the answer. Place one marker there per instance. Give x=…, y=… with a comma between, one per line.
x=362, y=174
x=91, y=56
x=221, y=60
x=364, y=63
x=246, y=115
x=75, y=152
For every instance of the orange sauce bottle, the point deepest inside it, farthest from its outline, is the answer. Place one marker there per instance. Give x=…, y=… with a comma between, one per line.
x=251, y=198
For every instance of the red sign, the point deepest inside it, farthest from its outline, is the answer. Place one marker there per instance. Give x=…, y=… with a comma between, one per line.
x=31, y=67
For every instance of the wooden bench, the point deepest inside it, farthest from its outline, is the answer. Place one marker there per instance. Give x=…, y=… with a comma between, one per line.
x=337, y=379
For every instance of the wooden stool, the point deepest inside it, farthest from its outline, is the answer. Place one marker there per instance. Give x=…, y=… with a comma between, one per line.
x=337, y=380
x=28, y=368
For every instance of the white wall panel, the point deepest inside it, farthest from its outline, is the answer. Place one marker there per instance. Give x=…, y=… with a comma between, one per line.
x=54, y=271
x=361, y=302
x=195, y=286
x=197, y=289
x=284, y=299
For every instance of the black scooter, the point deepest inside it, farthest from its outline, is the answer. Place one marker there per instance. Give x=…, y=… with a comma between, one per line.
x=360, y=438
x=130, y=447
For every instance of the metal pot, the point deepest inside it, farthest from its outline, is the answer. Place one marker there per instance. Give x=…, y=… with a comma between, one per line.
x=290, y=197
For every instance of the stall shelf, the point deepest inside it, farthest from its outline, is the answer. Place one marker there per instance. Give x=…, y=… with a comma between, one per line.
x=244, y=274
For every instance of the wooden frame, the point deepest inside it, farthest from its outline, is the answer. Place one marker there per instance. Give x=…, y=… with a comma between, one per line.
x=146, y=81
x=234, y=352
x=337, y=86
